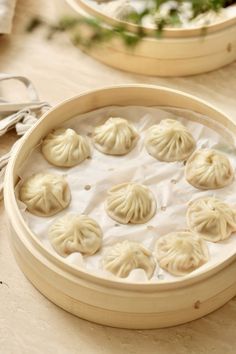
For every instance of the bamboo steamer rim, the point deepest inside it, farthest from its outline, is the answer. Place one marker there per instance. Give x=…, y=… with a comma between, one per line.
x=29, y=238
x=177, y=33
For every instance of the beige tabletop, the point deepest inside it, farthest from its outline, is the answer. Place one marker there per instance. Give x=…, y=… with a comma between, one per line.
x=31, y=324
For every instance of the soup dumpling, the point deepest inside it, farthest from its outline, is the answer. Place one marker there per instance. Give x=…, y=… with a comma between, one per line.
x=115, y=137
x=179, y=253
x=130, y=203
x=119, y=9
x=125, y=256
x=211, y=218
x=209, y=169
x=169, y=141
x=75, y=233
x=45, y=194
x=65, y=148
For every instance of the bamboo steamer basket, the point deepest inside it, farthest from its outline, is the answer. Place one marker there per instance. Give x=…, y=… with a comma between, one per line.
x=114, y=302
x=179, y=52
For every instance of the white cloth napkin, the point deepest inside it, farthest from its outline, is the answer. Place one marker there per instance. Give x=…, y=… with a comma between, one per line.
x=7, y=8
x=20, y=116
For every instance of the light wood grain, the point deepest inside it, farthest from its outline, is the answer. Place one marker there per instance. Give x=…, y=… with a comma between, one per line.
x=29, y=323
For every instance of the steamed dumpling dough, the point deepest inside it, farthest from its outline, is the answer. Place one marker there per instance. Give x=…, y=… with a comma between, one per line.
x=208, y=18
x=169, y=141
x=65, y=148
x=209, y=169
x=125, y=256
x=119, y=9
x=211, y=218
x=130, y=203
x=116, y=137
x=181, y=252
x=75, y=233
x=45, y=194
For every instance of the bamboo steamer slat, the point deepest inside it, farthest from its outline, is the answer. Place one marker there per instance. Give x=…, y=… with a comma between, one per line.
x=179, y=52
x=114, y=302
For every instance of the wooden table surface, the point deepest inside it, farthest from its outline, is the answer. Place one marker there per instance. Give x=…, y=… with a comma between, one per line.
x=29, y=323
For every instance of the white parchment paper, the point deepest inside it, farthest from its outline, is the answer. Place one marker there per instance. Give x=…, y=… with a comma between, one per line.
x=166, y=180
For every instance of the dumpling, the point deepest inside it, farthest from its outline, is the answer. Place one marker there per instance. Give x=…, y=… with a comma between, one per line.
x=116, y=137
x=130, y=203
x=119, y=9
x=208, y=169
x=65, y=148
x=211, y=218
x=45, y=194
x=75, y=233
x=125, y=256
x=169, y=141
x=209, y=17
x=181, y=252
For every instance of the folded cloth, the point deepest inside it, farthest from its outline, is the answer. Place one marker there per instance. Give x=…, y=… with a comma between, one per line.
x=7, y=8
x=20, y=116
x=3, y=165
x=22, y=120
